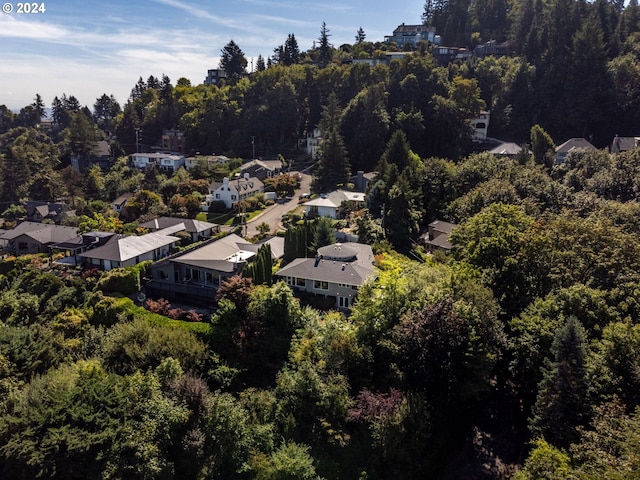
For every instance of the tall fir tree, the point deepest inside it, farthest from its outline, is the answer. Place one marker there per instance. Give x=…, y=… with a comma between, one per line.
x=562, y=406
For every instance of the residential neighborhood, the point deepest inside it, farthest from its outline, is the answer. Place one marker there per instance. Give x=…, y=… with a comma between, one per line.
x=403, y=246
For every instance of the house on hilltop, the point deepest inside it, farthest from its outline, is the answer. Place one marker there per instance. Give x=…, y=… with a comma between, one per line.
x=411, y=35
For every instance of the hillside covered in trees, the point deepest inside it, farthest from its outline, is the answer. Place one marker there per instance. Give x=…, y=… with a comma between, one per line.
x=514, y=356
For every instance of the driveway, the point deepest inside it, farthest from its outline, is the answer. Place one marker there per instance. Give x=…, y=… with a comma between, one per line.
x=273, y=214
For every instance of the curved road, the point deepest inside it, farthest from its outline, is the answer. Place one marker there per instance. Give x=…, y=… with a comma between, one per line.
x=273, y=214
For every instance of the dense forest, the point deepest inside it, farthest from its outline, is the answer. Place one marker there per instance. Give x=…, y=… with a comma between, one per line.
x=514, y=356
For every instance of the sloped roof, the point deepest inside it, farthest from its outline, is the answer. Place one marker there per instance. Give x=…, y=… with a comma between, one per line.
x=266, y=164
x=121, y=248
x=624, y=144
x=122, y=199
x=442, y=226
x=574, y=143
x=276, y=244
x=506, y=148
x=220, y=255
x=335, y=199
x=41, y=232
x=190, y=225
x=336, y=271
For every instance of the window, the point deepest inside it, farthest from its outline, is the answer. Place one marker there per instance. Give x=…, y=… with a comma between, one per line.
x=163, y=275
x=218, y=196
x=22, y=245
x=301, y=282
x=233, y=197
x=343, y=302
x=320, y=285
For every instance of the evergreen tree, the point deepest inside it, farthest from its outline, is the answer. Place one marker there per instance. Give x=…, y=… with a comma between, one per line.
x=233, y=61
x=562, y=407
x=360, y=36
x=260, y=65
x=38, y=105
x=291, y=51
x=324, y=234
x=333, y=165
x=324, y=47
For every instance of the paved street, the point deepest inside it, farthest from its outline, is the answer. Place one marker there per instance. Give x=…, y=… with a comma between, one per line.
x=273, y=214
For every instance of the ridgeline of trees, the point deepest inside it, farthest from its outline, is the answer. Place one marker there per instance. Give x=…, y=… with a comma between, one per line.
x=516, y=356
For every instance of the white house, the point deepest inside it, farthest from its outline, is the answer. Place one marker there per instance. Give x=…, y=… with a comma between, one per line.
x=480, y=126
x=167, y=162
x=313, y=143
x=209, y=160
x=230, y=192
x=329, y=205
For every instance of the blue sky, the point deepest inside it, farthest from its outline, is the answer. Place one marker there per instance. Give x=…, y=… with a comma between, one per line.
x=87, y=48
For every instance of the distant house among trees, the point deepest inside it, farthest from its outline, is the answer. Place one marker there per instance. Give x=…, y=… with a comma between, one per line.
x=437, y=236
x=572, y=145
x=55, y=211
x=411, y=35
x=165, y=162
x=100, y=156
x=624, y=144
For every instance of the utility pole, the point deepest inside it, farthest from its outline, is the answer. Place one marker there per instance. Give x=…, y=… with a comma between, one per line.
x=253, y=146
x=137, y=140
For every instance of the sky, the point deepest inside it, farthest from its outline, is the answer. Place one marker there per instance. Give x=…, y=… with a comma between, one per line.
x=87, y=48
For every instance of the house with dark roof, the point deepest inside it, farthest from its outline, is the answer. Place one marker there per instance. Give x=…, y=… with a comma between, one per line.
x=125, y=251
x=38, y=211
x=437, y=236
x=624, y=144
x=572, y=145
x=337, y=271
x=33, y=237
x=119, y=203
x=73, y=247
x=231, y=192
x=198, y=272
x=101, y=156
x=198, y=229
x=262, y=169
x=362, y=179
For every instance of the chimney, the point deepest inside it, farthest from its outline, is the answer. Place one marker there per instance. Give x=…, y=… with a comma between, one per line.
x=246, y=176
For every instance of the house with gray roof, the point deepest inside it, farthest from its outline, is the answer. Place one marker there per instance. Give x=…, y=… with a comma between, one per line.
x=197, y=273
x=125, y=251
x=33, y=237
x=437, y=236
x=231, y=192
x=337, y=271
x=262, y=169
x=570, y=146
x=624, y=144
x=198, y=229
x=37, y=211
x=507, y=149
